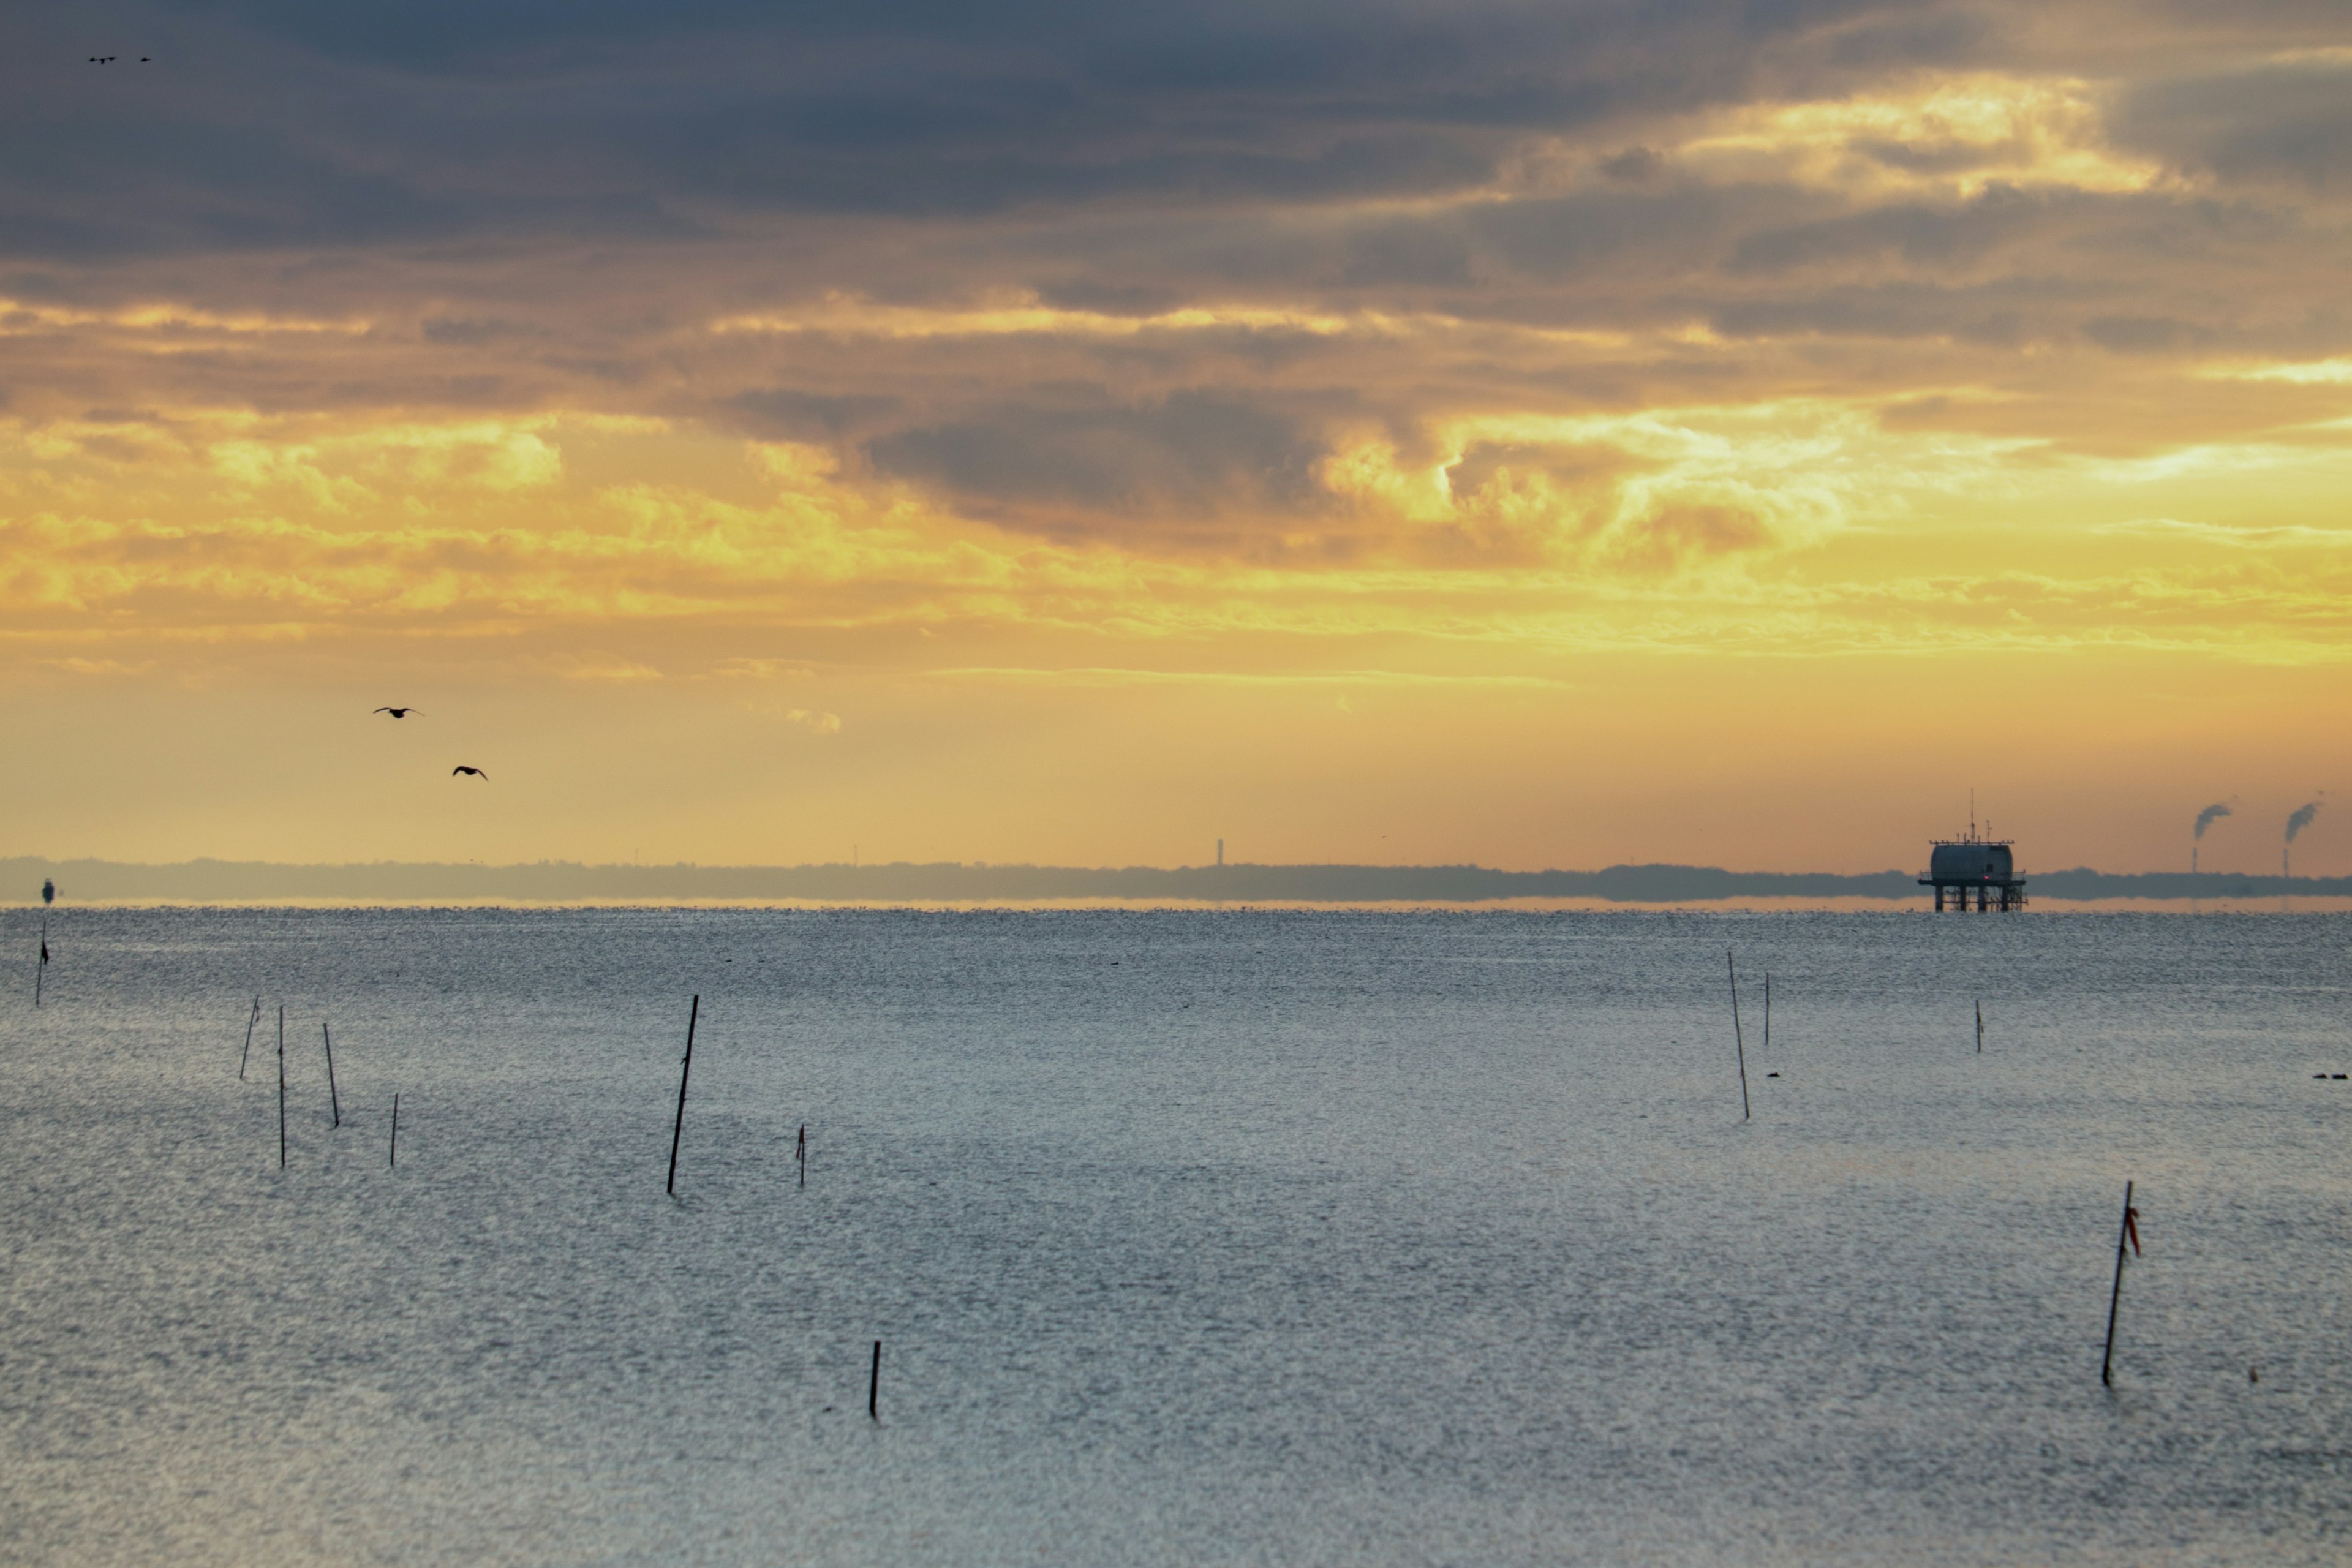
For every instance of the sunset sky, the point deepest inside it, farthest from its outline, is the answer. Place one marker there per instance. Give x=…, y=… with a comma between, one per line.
x=1536, y=434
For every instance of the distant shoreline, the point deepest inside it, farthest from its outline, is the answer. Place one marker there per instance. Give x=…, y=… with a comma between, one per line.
x=947, y=882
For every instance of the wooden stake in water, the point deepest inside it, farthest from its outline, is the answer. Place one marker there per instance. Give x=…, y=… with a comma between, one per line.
x=685, y=1067
x=800, y=1154
x=1979, y=1026
x=281, y=1088
x=1767, y=1014
x=1738, y=1043
x=2128, y=1232
x=334, y=1102
x=873, y=1385
x=392, y=1162
x=251, y=1019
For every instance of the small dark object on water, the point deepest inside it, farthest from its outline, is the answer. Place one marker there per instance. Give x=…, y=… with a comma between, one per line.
x=392, y=1162
x=2252, y=1375
x=2336, y=1075
x=873, y=1385
x=1771, y=1075
x=801, y=1153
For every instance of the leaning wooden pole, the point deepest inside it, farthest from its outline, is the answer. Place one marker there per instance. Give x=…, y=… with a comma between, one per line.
x=392, y=1157
x=1738, y=1044
x=41, y=970
x=281, y=1088
x=2124, y=1233
x=685, y=1067
x=873, y=1385
x=334, y=1101
x=251, y=1019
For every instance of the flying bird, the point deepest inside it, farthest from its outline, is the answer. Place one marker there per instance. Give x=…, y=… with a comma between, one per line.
x=462, y=768
x=397, y=712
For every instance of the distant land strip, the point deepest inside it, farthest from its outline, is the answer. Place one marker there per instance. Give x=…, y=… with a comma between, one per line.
x=563, y=881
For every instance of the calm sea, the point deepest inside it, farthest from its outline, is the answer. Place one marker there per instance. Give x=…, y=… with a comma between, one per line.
x=1191, y=1238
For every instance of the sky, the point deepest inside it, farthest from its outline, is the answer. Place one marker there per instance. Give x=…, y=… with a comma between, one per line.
x=1536, y=434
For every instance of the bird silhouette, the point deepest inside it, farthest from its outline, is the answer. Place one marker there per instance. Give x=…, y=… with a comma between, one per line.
x=397, y=712
x=462, y=768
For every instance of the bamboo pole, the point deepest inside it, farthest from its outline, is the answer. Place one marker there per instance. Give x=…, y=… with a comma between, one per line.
x=1738, y=1043
x=251, y=1019
x=2124, y=1232
x=334, y=1101
x=281, y=1088
x=686, y=1067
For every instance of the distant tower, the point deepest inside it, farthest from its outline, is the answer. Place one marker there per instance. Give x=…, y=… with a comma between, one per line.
x=48, y=891
x=1221, y=851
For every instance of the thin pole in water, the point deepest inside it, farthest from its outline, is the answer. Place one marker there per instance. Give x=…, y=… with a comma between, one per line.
x=1979, y=1026
x=334, y=1101
x=801, y=1153
x=2128, y=1231
x=392, y=1163
x=686, y=1067
x=873, y=1385
x=281, y=1088
x=253, y=1018
x=1768, y=1013
x=1738, y=1043
x=41, y=970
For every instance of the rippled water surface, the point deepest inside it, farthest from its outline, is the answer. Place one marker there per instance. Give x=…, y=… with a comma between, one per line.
x=1191, y=1237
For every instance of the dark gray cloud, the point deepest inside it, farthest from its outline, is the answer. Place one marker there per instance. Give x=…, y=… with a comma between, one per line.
x=1072, y=447
x=1914, y=232
x=274, y=124
x=2287, y=121
x=794, y=414
x=2141, y=334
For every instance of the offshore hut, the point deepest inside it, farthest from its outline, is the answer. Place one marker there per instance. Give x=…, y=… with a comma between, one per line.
x=1957, y=865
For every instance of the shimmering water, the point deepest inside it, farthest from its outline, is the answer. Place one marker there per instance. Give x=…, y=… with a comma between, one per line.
x=1194, y=1238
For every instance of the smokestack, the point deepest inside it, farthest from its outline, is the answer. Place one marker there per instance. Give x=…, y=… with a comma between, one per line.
x=2295, y=824
x=2205, y=819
